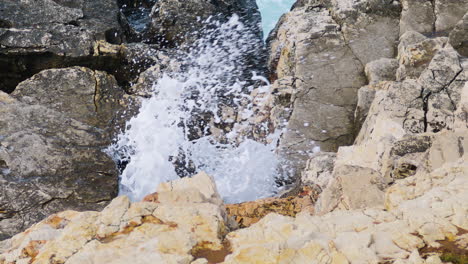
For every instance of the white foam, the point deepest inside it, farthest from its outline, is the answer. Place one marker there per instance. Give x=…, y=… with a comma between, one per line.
x=212, y=71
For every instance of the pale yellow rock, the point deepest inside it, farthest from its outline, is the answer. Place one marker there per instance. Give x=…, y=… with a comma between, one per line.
x=188, y=195
x=200, y=261
x=433, y=260
x=136, y=211
x=73, y=237
x=448, y=146
x=202, y=182
x=110, y=218
x=204, y=221
x=407, y=241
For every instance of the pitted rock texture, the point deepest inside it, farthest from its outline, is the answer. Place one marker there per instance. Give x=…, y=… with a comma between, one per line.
x=38, y=35
x=249, y=213
x=53, y=131
x=323, y=51
x=422, y=213
x=177, y=21
x=323, y=46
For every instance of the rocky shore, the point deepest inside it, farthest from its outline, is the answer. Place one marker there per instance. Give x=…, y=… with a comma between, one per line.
x=371, y=96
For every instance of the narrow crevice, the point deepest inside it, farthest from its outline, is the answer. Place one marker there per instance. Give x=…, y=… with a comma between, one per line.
x=434, y=29
x=425, y=99
x=96, y=92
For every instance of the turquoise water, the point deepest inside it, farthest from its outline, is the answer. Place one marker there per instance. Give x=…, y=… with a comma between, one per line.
x=271, y=11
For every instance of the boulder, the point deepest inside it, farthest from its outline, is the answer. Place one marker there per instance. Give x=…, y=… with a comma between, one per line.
x=53, y=131
x=322, y=46
x=38, y=35
x=424, y=220
x=431, y=17
x=366, y=95
x=458, y=37
x=164, y=232
x=319, y=169
x=174, y=22
x=381, y=70
x=415, y=52
x=318, y=117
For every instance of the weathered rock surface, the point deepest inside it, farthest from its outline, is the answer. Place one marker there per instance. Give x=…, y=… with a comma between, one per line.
x=168, y=231
x=249, y=213
x=180, y=21
x=381, y=70
x=322, y=52
x=425, y=213
x=415, y=52
x=406, y=122
x=431, y=17
x=53, y=131
x=458, y=38
x=38, y=35
x=322, y=46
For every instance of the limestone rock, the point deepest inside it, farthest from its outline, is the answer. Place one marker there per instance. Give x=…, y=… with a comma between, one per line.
x=417, y=16
x=323, y=74
x=433, y=112
x=448, y=13
x=248, y=213
x=415, y=52
x=319, y=169
x=37, y=35
x=52, y=133
x=366, y=95
x=201, y=182
x=429, y=17
x=421, y=211
x=93, y=101
x=381, y=70
x=351, y=188
x=322, y=46
x=175, y=21
x=141, y=232
x=458, y=36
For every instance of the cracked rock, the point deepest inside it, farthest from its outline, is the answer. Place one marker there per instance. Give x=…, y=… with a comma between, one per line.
x=53, y=130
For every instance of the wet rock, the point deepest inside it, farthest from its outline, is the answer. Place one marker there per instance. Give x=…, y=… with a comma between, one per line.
x=423, y=214
x=323, y=46
x=53, y=130
x=45, y=34
x=174, y=21
x=323, y=122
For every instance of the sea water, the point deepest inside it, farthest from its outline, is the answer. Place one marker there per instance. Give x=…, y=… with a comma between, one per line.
x=271, y=11
x=212, y=70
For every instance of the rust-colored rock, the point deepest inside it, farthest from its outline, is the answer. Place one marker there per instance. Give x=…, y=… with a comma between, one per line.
x=152, y=198
x=249, y=213
x=32, y=249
